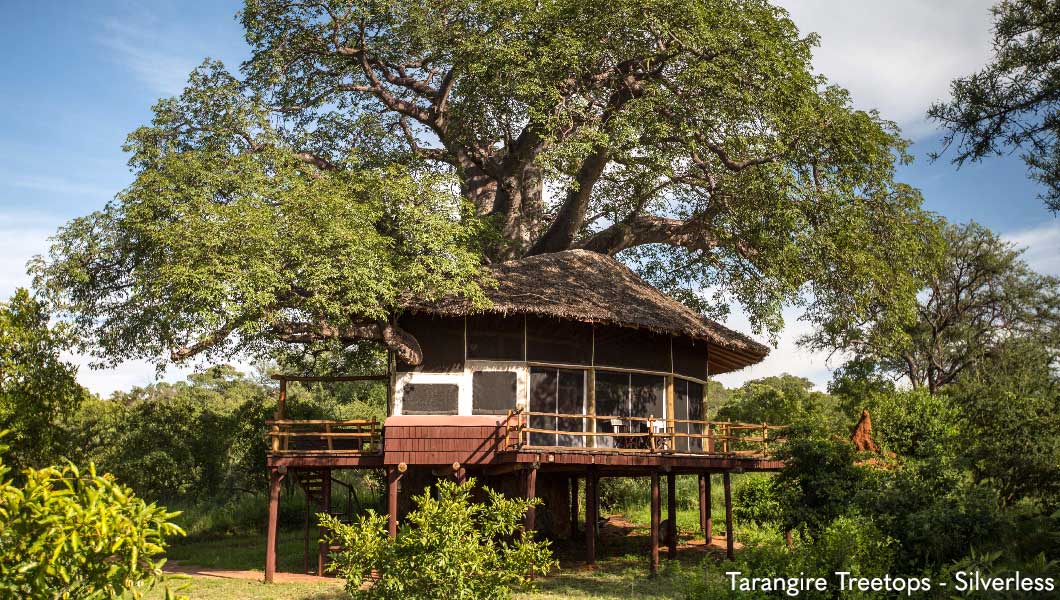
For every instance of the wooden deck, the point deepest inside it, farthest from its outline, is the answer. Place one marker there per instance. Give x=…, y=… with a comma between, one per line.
x=489, y=444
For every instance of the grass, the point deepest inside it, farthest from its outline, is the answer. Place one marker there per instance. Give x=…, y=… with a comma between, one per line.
x=230, y=536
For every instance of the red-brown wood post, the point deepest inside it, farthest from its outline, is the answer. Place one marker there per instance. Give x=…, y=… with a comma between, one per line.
x=392, y=500
x=703, y=507
x=573, y=507
x=708, y=509
x=275, y=478
x=325, y=507
x=730, y=535
x=531, y=492
x=592, y=517
x=655, y=517
x=671, y=516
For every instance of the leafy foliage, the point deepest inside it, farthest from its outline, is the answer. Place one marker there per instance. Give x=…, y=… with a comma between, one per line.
x=225, y=242
x=301, y=202
x=1010, y=422
x=448, y=547
x=779, y=400
x=72, y=534
x=37, y=388
x=1014, y=101
x=980, y=293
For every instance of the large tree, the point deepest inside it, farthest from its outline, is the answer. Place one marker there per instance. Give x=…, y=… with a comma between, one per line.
x=38, y=390
x=981, y=295
x=1014, y=101
x=689, y=137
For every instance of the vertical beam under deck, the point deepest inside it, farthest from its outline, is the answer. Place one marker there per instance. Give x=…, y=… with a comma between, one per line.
x=671, y=516
x=392, y=478
x=706, y=508
x=573, y=507
x=592, y=516
x=275, y=479
x=531, y=492
x=655, y=516
x=730, y=535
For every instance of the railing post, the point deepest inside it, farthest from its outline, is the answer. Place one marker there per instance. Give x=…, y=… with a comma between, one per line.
x=651, y=432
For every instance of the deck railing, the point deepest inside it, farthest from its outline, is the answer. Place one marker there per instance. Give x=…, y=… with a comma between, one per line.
x=355, y=436
x=640, y=434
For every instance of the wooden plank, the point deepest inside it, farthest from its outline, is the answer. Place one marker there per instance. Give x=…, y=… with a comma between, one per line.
x=329, y=379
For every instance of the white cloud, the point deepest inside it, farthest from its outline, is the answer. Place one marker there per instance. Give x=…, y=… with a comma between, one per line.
x=1042, y=244
x=140, y=43
x=897, y=56
x=58, y=185
x=787, y=357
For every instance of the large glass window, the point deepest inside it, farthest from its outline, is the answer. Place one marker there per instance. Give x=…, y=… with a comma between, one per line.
x=621, y=395
x=557, y=392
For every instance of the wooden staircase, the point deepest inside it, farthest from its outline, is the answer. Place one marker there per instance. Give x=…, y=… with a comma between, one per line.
x=317, y=486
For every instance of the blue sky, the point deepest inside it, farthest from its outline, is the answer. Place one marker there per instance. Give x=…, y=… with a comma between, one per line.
x=77, y=77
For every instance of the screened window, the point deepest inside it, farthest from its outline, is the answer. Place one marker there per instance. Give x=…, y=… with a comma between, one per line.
x=688, y=405
x=495, y=337
x=621, y=395
x=492, y=392
x=442, y=342
x=430, y=399
x=558, y=392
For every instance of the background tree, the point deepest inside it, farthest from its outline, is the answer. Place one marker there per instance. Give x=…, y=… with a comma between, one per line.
x=300, y=202
x=38, y=390
x=981, y=294
x=1015, y=100
x=1009, y=415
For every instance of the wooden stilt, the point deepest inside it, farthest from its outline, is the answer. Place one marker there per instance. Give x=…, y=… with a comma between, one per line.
x=703, y=507
x=671, y=516
x=592, y=517
x=573, y=507
x=531, y=493
x=730, y=535
x=392, y=500
x=305, y=542
x=275, y=478
x=655, y=510
x=708, y=530
x=325, y=507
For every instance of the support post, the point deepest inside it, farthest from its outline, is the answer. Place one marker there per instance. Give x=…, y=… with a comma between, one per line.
x=531, y=492
x=655, y=510
x=325, y=507
x=393, y=476
x=592, y=517
x=706, y=519
x=275, y=478
x=730, y=535
x=671, y=516
x=573, y=507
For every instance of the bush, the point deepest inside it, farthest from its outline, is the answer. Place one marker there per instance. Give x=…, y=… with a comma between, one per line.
x=72, y=535
x=449, y=547
x=850, y=543
x=756, y=501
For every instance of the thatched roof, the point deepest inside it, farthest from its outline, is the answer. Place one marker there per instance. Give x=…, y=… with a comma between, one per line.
x=592, y=287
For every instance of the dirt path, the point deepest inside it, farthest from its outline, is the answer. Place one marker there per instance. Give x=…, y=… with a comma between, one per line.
x=248, y=575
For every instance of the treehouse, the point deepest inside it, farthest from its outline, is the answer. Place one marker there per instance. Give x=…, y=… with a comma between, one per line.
x=577, y=370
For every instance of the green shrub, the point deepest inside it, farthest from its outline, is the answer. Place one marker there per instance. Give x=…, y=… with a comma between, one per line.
x=75, y=535
x=756, y=502
x=849, y=543
x=449, y=547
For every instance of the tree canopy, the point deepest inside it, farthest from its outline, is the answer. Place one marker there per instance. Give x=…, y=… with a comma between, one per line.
x=38, y=390
x=1014, y=101
x=376, y=149
x=981, y=294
